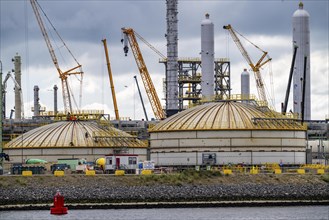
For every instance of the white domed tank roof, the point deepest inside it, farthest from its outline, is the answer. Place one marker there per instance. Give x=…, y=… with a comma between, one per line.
x=301, y=12
x=74, y=134
x=223, y=116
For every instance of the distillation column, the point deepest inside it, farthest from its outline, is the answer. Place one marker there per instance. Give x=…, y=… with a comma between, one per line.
x=207, y=58
x=301, y=37
x=36, y=109
x=18, y=74
x=55, y=99
x=245, y=85
x=172, y=57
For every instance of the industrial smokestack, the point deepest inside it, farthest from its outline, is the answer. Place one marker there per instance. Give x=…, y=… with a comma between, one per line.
x=36, y=111
x=172, y=56
x=207, y=58
x=18, y=74
x=245, y=85
x=301, y=37
x=55, y=99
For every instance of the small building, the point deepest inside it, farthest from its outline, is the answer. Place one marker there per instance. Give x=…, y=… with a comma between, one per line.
x=127, y=162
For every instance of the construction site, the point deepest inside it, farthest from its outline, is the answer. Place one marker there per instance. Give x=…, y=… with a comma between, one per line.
x=200, y=122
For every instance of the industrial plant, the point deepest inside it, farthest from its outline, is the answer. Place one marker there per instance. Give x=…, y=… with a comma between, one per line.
x=202, y=123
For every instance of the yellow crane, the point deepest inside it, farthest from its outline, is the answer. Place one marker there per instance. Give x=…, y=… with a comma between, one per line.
x=111, y=80
x=129, y=33
x=255, y=67
x=62, y=75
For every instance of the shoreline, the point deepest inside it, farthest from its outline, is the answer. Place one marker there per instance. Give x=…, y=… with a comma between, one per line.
x=163, y=191
x=150, y=205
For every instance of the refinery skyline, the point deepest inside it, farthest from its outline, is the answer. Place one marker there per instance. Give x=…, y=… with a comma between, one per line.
x=83, y=24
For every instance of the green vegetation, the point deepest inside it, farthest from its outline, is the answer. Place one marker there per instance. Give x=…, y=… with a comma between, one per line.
x=21, y=181
x=325, y=177
x=186, y=176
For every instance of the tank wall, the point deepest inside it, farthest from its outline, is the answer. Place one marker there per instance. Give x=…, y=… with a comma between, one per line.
x=177, y=148
x=51, y=155
x=195, y=158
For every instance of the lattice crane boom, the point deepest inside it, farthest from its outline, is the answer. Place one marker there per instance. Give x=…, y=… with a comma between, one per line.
x=62, y=75
x=255, y=67
x=109, y=70
x=147, y=81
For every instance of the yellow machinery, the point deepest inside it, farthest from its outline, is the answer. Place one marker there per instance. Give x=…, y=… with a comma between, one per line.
x=62, y=75
x=255, y=67
x=111, y=80
x=148, y=84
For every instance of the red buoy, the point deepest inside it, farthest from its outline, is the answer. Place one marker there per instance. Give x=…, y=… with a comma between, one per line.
x=58, y=208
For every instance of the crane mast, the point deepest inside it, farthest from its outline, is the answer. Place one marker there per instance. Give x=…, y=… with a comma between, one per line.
x=147, y=81
x=62, y=75
x=111, y=80
x=255, y=67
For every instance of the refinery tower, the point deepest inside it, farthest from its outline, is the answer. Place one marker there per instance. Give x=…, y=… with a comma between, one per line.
x=301, y=38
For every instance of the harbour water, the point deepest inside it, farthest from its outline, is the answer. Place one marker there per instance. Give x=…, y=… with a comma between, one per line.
x=227, y=213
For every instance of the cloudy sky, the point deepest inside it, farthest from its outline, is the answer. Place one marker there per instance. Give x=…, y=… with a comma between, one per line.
x=84, y=23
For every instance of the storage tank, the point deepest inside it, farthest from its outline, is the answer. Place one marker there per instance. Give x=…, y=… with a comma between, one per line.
x=245, y=84
x=301, y=37
x=207, y=58
x=73, y=139
x=218, y=133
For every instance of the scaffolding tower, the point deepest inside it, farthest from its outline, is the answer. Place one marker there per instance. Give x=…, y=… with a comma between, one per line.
x=189, y=81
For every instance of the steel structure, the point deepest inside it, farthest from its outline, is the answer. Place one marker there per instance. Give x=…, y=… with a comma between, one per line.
x=140, y=96
x=172, y=55
x=117, y=117
x=254, y=66
x=189, y=80
x=148, y=84
x=62, y=75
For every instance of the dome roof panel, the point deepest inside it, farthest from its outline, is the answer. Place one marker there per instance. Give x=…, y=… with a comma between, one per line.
x=224, y=116
x=74, y=134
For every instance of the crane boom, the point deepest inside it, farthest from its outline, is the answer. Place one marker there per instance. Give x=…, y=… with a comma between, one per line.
x=151, y=46
x=255, y=67
x=111, y=80
x=62, y=75
x=147, y=81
